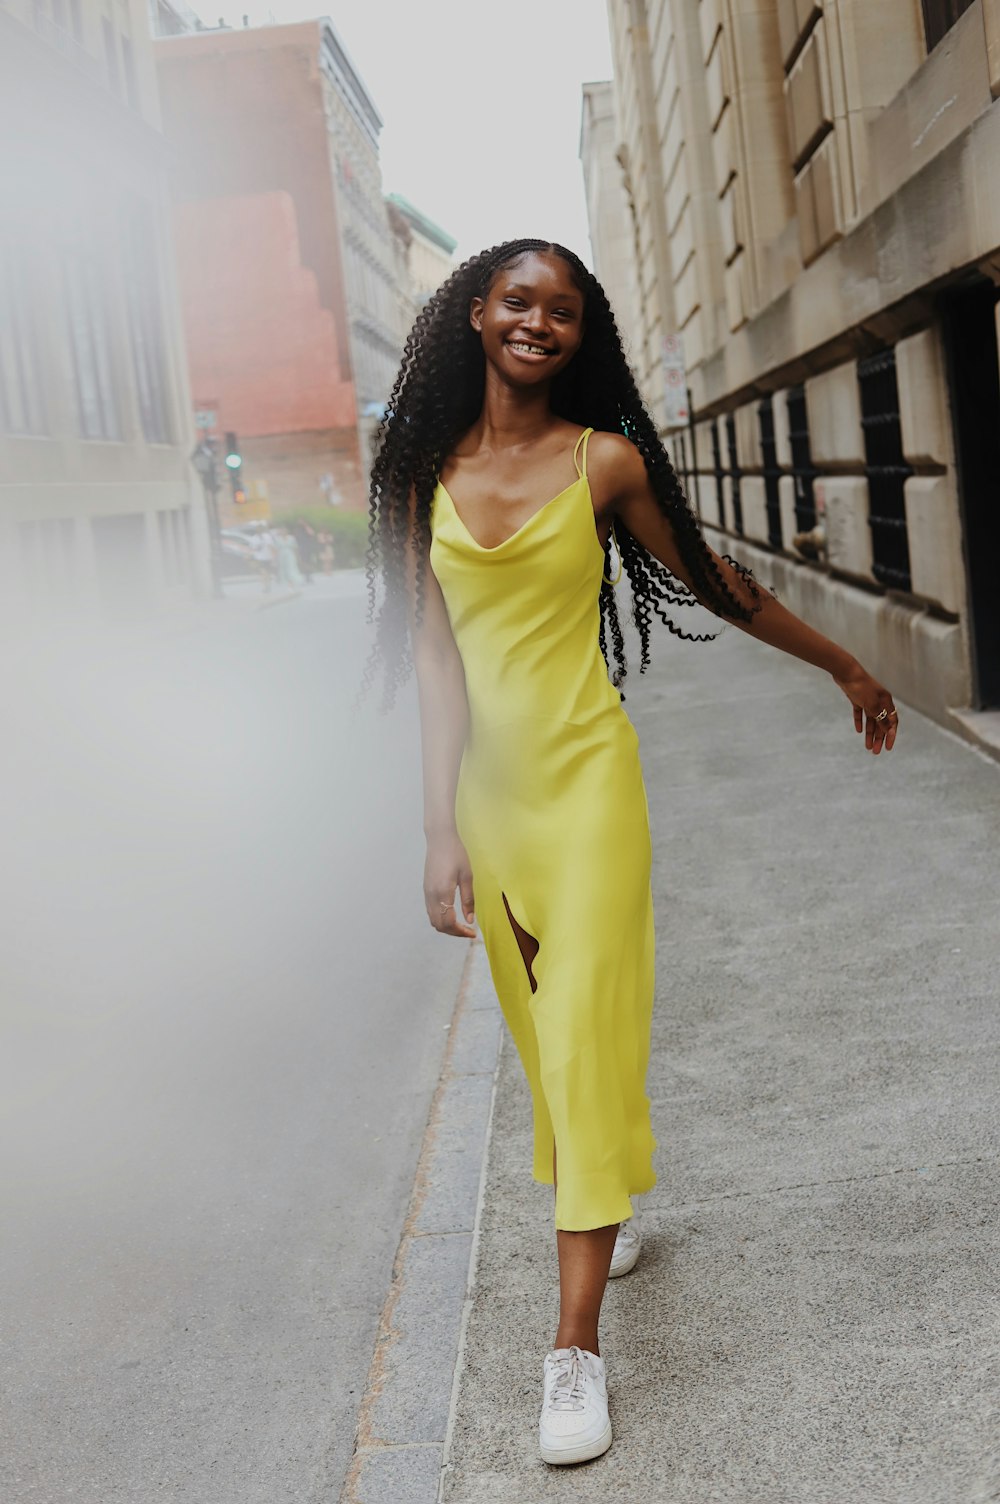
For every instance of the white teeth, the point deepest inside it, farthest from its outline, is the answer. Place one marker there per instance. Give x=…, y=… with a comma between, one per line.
x=530, y=349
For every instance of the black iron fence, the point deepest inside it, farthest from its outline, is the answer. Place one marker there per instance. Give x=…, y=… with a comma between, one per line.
x=734, y=473
x=803, y=470
x=772, y=471
x=885, y=467
x=720, y=471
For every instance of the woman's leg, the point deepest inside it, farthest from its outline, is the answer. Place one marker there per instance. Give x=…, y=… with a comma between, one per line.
x=584, y=1261
x=584, y=1257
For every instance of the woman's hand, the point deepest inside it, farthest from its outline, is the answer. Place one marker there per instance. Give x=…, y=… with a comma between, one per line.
x=446, y=868
x=874, y=713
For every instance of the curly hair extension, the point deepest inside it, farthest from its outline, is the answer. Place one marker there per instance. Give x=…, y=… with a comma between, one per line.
x=436, y=398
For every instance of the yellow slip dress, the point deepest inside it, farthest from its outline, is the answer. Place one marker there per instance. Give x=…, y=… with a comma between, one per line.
x=552, y=810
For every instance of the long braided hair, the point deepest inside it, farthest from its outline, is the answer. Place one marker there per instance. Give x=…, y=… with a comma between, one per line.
x=438, y=395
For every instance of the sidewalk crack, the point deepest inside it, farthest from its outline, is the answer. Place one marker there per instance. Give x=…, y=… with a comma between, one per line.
x=805, y=1185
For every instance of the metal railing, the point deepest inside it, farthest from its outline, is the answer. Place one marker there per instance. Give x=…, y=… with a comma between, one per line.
x=886, y=468
x=772, y=471
x=734, y=473
x=803, y=470
x=720, y=491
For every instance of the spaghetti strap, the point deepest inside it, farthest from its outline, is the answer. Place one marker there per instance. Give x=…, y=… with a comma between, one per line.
x=582, y=440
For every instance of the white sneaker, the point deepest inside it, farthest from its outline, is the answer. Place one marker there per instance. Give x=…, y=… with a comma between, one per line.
x=574, y=1424
x=628, y=1245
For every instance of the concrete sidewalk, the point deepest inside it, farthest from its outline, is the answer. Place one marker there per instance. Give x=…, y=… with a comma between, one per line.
x=814, y=1319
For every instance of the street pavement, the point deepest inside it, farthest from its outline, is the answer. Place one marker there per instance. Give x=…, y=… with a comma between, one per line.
x=244, y=1118
x=814, y=1318
x=223, y=1019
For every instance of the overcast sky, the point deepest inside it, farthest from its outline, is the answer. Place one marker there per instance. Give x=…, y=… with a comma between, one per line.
x=481, y=104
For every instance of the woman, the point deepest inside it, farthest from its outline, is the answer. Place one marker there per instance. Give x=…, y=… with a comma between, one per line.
x=289, y=572
x=515, y=456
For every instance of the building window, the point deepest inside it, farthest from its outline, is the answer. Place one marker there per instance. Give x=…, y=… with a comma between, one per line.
x=48, y=555
x=886, y=469
x=89, y=313
x=734, y=472
x=128, y=66
x=803, y=471
x=939, y=17
x=22, y=409
x=111, y=56
x=175, y=546
x=772, y=471
x=140, y=265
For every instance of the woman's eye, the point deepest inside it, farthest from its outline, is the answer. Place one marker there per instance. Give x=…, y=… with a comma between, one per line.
x=514, y=302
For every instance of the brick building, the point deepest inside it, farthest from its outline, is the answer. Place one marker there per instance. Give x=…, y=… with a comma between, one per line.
x=813, y=188
x=287, y=263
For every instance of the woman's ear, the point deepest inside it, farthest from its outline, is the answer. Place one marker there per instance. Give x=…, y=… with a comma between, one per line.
x=476, y=308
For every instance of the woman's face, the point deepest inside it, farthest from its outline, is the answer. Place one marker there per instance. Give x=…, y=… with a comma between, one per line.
x=531, y=320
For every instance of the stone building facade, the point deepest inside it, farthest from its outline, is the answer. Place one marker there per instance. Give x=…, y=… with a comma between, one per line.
x=612, y=225
x=430, y=250
x=288, y=266
x=814, y=207
x=99, y=506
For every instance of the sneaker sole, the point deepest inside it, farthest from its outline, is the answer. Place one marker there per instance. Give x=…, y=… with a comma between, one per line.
x=583, y=1453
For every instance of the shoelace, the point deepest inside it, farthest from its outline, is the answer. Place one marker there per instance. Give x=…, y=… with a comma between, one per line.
x=567, y=1391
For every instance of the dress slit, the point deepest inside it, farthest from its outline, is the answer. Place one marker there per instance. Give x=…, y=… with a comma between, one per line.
x=516, y=926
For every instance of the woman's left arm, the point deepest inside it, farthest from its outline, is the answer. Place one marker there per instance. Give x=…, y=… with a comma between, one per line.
x=629, y=496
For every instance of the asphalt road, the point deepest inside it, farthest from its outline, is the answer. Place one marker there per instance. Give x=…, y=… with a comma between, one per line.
x=223, y=1017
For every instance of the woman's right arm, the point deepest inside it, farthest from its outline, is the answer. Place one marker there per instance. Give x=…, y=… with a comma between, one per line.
x=444, y=725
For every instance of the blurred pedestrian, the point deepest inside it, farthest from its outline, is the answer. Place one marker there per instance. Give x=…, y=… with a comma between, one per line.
x=289, y=572
x=305, y=538
x=265, y=554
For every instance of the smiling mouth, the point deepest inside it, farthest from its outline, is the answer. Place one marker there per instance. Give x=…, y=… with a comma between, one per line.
x=522, y=347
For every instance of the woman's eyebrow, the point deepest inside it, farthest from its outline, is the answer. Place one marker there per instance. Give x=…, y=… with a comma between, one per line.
x=559, y=297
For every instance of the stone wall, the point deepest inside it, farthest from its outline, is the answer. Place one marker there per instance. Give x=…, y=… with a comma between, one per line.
x=849, y=183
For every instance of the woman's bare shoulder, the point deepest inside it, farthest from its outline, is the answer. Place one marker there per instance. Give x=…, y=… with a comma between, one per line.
x=613, y=454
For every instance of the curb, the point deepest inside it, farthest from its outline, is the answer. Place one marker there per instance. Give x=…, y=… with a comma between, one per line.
x=278, y=600
x=406, y=1412
x=470, y=1293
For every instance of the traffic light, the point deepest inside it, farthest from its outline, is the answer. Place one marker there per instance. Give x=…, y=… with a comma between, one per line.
x=234, y=464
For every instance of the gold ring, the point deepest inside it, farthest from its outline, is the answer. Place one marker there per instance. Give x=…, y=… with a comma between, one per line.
x=447, y=905
x=882, y=715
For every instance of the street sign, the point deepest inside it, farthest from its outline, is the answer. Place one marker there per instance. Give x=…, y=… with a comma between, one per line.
x=675, y=381
x=328, y=486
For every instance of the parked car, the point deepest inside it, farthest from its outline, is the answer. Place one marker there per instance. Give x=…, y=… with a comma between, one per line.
x=235, y=555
